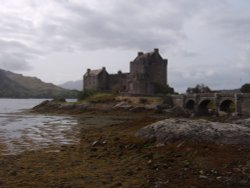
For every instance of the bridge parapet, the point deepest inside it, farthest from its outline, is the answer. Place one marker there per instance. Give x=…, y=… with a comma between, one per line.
x=177, y=96
x=226, y=95
x=178, y=100
x=190, y=95
x=207, y=95
x=245, y=95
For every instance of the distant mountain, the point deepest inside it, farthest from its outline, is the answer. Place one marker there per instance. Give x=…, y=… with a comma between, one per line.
x=78, y=84
x=14, y=85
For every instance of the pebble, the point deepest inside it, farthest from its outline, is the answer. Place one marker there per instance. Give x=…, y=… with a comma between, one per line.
x=203, y=177
x=219, y=178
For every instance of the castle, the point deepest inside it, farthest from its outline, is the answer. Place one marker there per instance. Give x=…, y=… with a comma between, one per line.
x=147, y=71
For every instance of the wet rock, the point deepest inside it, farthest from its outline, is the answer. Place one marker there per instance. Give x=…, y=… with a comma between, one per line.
x=99, y=143
x=201, y=172
x=219, y=178
x=150, y=106
x=163, y=106
x=67, y=106
x=221, y=113
x=244, y=182
x=96, y=143
x=178, y=111
x=123, y=105
x=129, y=173
x=42, y=104
x=244, y=122
x=137, y=109
x=203, y=177
x=12, y=173
x=116, y=184
x=148, y=156
x=82, y=106
x=116, y=139
x=93, y=149
x=53, y=105
x=197, y=130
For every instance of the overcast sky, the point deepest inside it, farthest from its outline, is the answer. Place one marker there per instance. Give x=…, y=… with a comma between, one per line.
x=57, y=40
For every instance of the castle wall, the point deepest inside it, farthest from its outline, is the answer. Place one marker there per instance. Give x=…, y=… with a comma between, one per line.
x=103, y=79
x=146, y=71
x=96, y=82
x=118, y=82
x=90, y=83
x=138, y=78
x=158, y=71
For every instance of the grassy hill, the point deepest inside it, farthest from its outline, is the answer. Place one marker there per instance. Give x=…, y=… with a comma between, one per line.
x=18, y=86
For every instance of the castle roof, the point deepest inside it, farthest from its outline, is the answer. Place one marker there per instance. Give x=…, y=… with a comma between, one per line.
x=93, y=72
x=147, y=56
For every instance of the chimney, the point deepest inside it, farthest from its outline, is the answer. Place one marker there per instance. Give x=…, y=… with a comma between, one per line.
x=103, y=68
x=156, y=50
x=140, y=53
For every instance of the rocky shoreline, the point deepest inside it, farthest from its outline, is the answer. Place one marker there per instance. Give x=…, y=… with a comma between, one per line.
x=145, y=149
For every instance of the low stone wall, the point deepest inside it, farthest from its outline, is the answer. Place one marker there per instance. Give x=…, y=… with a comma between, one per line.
x=245, y=104
x=178, y=100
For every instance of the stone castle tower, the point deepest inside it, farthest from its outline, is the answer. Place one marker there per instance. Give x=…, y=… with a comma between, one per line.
x=147, y=71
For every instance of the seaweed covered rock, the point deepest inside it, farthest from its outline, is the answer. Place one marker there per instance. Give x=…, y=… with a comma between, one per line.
x=171, y=130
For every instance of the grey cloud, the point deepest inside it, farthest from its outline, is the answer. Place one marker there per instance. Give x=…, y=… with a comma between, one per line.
x=15, y=55
x=71, y=25
x=15, y=62
x=217, y=80
x=232, y=20
x=137, y=24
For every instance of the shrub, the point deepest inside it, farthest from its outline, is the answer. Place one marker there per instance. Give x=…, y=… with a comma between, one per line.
x=163, y=89
x=59, y=99
x=85, y=94
x=168, y=100
x=199, y=88
x=245, y=88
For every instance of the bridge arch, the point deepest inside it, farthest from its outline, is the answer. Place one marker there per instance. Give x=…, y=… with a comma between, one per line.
x=190, y=104
x=206, y=107
x=227, y=106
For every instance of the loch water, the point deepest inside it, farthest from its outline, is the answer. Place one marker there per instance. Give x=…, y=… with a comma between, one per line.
x=21, y=131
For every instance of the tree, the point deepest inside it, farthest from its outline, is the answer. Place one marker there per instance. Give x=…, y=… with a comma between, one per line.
x=245, y=88
x=199, y=88
x=163, y=89
x=85, y=94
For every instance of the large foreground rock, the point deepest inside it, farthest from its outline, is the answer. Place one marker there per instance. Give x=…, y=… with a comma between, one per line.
x=170, y=130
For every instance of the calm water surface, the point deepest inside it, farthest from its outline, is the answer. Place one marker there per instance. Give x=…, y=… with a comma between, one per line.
x=20, y=130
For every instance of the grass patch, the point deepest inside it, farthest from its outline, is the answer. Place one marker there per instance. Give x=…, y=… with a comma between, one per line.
x=101, y=98
x=140, y=100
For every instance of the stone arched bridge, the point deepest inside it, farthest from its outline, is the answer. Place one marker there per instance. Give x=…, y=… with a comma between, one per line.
x=206, y=103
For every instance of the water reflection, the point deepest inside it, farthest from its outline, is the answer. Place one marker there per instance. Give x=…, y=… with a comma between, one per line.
x=20, y=131
x=27, y=132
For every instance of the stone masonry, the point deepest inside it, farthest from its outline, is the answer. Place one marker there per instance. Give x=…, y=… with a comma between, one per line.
x=147, y=71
